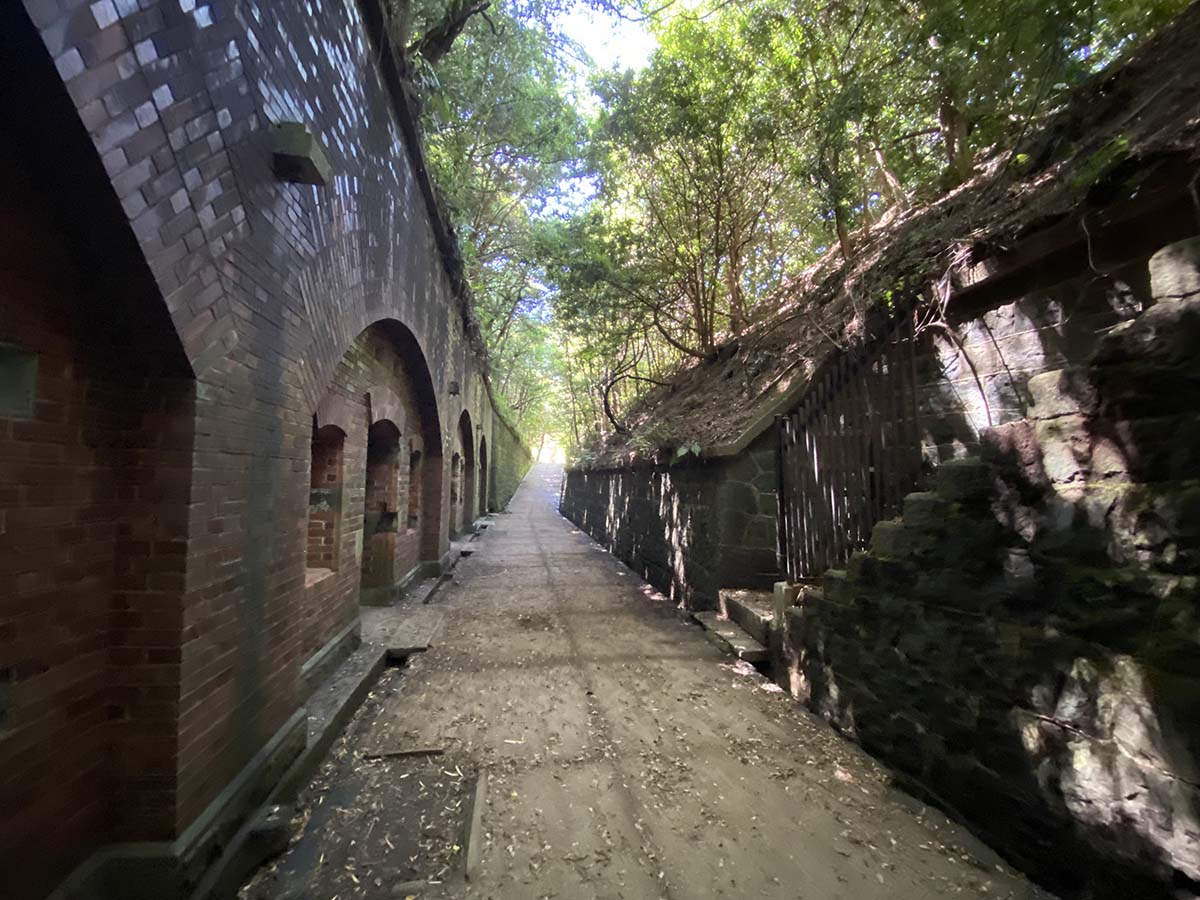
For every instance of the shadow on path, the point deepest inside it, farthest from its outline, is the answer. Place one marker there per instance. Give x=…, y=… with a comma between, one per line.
x=627, y=757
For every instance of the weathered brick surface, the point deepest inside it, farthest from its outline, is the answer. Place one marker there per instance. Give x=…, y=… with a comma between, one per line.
x=507, y=463
x=192, y=606
x=94, y=487
x=326, y=484
x=464, y=497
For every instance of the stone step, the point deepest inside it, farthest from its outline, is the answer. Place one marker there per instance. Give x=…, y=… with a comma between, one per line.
x=964, y=479
x=754, y=611
x=730, y=637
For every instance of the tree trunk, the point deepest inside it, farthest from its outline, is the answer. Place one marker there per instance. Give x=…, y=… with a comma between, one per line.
x=437, y=41
x=892, y=187
x=954, y=136
x=843, y=231
x=508, y=320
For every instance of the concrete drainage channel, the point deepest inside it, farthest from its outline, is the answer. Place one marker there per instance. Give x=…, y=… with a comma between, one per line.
x=385, y=816
x=267, y=833
x=392, y=637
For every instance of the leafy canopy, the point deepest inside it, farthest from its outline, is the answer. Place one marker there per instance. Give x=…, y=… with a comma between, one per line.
x=616, y=223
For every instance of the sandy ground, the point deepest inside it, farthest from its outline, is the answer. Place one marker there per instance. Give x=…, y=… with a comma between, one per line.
x=626, y=757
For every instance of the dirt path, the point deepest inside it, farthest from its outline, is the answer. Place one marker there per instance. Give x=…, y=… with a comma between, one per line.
x=627, y=758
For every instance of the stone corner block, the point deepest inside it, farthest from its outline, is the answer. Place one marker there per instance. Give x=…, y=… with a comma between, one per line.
x=890, y=538
x=299, y=155
x=1063, y=392
x=964, y=479
x=923, y=509
x=783, y=595
x=1175, y=270
x=834, y=581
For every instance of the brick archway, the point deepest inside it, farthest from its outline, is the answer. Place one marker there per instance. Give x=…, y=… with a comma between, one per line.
x=97, y=405
x=387, y=529
x=484, y=507
x=463, y=509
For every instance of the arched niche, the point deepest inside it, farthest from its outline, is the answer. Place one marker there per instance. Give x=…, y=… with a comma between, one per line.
x=382, y=511
x=326, y=490
x=484, y=506
x=422, y=438
x=462, y=469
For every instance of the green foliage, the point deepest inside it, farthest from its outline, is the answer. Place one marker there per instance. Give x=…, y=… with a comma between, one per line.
x=1100, y=163
x=608, y=238
x=502, y=138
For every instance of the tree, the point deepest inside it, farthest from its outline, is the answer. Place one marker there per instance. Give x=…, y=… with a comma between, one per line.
x=761, y=137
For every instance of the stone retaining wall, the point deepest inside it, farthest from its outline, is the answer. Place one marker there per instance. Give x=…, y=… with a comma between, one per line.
x=508, y=463
x=1023, y=641
x=689, y=529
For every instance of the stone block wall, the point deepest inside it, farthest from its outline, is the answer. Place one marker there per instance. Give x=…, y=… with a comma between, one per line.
x=508, y=460
x=974, y=373
x=1022, y=642
x=689, y=529
x=747, y=506
x=661, y=521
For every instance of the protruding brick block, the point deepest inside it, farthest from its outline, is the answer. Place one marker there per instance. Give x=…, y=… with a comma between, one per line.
x=299, y=155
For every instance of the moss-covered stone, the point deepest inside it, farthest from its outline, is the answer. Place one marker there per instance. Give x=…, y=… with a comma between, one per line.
x=963, y=480
x=925, y=509
x=897, y=539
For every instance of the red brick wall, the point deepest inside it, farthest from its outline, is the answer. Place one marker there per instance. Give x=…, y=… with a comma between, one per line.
x=412, y=478
x=242, y=661
x=94, y=487
x=325, y=497
x=332, y=602
x=382, y=513
x=57, y=557
x=268, y=286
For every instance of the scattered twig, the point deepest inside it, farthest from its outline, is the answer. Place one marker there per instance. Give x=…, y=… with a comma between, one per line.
x=411, y=751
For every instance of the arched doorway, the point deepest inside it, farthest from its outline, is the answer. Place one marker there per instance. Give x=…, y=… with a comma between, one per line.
x=380, y=396
x=484, y=508
x=97, y=409
x=462, y=469
x=455, y=493
x=381, y=512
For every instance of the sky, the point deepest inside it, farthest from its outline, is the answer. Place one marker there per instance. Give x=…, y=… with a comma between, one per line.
x=608, y=39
